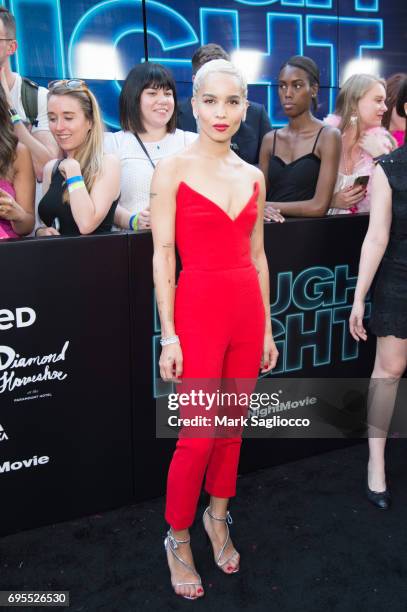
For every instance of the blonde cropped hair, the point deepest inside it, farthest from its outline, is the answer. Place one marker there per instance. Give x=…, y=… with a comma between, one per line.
x=219, y=66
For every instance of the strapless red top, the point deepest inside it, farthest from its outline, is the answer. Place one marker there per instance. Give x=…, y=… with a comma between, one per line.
x=207, y=237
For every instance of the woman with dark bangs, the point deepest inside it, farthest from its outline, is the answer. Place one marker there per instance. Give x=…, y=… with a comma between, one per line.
x=148, y=117
x=17, y=184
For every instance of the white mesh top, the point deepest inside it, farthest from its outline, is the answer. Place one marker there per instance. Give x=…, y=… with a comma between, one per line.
x=136, y=169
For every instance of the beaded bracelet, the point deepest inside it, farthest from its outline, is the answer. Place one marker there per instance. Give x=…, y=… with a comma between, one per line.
x=169, y=340
x=133, y=222
x=76, y=185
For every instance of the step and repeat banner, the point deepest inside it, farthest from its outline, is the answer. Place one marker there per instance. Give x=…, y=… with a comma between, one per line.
x=65, y=411
x=101, y=40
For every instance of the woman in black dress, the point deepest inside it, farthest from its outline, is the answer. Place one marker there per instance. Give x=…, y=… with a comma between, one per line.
x=299, y=161
x=386, y=244
x=80, y=191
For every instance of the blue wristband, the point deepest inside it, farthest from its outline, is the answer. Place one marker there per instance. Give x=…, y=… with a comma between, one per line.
x=133, y=222
x=73, y=179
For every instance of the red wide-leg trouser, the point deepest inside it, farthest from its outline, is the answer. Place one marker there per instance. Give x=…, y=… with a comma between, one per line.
x=219, y=318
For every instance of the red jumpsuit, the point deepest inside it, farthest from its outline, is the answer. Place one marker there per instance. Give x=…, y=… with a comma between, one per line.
x=220, y=321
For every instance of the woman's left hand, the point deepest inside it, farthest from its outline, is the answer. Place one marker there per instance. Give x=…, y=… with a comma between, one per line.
x=9, y=209
x=375, y=144
x=270, y=354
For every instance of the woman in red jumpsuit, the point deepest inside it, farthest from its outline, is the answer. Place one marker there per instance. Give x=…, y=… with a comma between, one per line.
x=216, y=324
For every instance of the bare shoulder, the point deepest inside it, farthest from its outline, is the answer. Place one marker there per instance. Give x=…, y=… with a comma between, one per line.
x=268, y=138
x=330, y=135
x=253, y=172
x=170, y=167
x=110, y=161
x=22, y=153
x=48, y=168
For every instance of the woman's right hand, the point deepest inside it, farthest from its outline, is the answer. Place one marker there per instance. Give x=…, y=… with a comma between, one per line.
x=348, y=197
x=144, y=219
x=46, y=231
x=356, y=328
x=171, y=363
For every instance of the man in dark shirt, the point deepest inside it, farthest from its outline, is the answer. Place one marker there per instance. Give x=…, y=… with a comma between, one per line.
x=247, y=141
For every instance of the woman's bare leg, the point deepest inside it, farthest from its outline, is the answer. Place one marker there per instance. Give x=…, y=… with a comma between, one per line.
x=390, y=363
x=180, y=573
x=217, y=532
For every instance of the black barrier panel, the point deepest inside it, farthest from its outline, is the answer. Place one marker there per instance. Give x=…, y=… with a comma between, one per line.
x=313, y=268
x=301, y=254
x=65, y=435
x=151, y=456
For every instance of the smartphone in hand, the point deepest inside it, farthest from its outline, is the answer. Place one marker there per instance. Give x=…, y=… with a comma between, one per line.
x=361, y=181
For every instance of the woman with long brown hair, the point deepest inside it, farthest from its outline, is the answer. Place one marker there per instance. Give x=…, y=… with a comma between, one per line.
x=81, y=191
x=17, y=184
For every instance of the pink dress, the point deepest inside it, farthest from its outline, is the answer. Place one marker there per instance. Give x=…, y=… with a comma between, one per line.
x=6, y=229
x=364, y=167
x=399, y=136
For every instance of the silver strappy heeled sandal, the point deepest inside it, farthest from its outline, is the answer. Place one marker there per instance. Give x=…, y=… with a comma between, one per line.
x=228, y=521
x=171, y=543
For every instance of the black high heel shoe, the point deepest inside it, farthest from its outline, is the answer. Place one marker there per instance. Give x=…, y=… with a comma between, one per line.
x=381, y=500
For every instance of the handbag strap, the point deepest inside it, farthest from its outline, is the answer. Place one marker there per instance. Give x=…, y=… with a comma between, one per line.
x=145, y=150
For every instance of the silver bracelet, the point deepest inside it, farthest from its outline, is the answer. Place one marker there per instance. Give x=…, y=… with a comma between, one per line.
x=169, y=340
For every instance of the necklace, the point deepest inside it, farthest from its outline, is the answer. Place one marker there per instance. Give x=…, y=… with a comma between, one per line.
x=348, y=158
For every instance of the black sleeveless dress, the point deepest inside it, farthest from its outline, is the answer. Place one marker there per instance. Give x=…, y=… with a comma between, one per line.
x=296, y=181
x=52, y=208
x=389, y=309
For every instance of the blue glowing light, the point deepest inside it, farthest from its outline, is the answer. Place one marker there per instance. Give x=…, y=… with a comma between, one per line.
x=53, y=7
x=367, y=5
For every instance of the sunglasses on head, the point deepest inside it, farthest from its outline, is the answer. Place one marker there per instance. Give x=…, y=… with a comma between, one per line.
x=68, y=83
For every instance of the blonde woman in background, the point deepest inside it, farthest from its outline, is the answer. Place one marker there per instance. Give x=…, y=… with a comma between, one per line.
x=215, y=325
x=80, y=191
x=360, y=107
